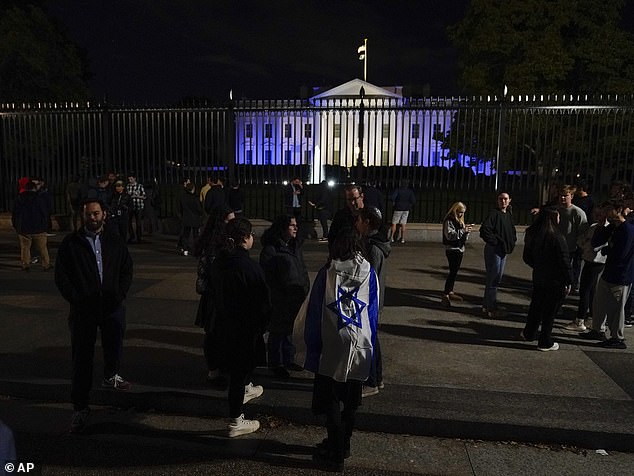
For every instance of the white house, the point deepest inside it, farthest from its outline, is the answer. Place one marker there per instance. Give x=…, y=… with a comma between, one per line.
x=325, y=130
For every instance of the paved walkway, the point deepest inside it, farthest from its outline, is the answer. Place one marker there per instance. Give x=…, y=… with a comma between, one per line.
x=448, y=372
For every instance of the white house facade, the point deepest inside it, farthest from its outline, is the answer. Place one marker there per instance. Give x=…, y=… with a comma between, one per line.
x=327, y=128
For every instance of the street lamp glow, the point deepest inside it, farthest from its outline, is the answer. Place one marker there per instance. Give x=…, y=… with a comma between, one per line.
x=331, y=183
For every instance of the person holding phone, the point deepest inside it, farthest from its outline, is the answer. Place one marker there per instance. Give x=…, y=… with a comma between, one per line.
x=454, y=235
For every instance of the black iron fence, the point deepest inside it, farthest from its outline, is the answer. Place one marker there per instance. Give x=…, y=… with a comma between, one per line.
x=447, y=149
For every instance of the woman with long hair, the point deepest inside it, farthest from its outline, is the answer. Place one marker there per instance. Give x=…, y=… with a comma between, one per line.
x=546, y=251
x=454, y=236
x=240, y=299
x=285, y=271
x=206, y=248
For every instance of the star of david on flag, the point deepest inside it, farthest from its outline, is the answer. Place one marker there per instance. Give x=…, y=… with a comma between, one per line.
x=347, y=307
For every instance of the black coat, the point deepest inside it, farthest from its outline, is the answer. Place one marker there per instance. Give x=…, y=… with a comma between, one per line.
x=498, y=230
x=206, y=314
x=120, y=205
x=189, y=210
x=288, y=281
x=289, y=192
x=323, y=200
x=77, y=276
x=215, y=199
x=242, y=305
x=30, y=213
x=549, y=259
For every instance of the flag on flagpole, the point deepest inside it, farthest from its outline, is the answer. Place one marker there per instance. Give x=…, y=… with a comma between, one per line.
x=361, y=51
x=335, y=328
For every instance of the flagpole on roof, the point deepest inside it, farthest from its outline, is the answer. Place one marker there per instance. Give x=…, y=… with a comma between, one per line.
x=363, y=56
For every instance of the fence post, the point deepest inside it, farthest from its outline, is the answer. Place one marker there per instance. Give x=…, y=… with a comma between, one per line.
x=359, y=171
x=106, y=137
x=230, y=141
x=500, y=145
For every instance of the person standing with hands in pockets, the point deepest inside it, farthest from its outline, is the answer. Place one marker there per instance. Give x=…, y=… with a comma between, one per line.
x=454, y=236
x=499, y=235
x=93, y=272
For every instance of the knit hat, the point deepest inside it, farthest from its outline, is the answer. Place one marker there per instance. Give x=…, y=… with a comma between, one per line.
x=22, y=184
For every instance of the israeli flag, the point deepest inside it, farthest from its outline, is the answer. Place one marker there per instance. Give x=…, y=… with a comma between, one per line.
x=335, y=327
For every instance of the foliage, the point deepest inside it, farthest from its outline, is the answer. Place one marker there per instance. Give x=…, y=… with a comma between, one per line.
x=549, y=47
x=544, y=46
x=38, y=62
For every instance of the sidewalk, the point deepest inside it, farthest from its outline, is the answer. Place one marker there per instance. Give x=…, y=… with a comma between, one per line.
x=447, y=372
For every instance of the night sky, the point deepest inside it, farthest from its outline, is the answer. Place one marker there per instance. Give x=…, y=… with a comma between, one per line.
x=161, y=51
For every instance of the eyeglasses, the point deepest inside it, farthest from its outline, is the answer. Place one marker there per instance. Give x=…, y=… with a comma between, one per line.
x=354, y=199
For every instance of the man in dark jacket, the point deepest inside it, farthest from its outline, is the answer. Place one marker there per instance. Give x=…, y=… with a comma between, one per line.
x=93, y=272
x=347, y=216
x=215, y=198
x=30, y=220
x=323, y=205
x=292, y=198
x=190, y=212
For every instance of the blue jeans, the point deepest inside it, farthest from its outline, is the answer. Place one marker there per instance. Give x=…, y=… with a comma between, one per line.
x=494, y=264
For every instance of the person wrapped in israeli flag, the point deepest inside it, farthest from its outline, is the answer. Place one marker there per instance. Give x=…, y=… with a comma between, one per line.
x=334, y=338
x=335, y=328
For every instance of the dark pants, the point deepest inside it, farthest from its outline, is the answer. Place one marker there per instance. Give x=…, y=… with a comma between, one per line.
x=280, y=349
x=545, y=303
x=184, y=241
x=237, y=380
x=576, y=267
x=295, y=212
x=119, y=224
x=454, y=258
x=83, y=335
x=210, y=349
x=137, y=232
x=589, y=278
x=324, y=215
x=339, y=423
x=376, y=368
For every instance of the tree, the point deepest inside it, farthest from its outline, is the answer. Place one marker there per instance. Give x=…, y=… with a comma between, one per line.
x=544, y=46
x=551, y=48
x=38, y=62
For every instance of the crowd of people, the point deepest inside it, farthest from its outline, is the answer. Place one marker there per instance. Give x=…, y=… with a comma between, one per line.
x=133, y=208
x=266, y=313
x=572, y=246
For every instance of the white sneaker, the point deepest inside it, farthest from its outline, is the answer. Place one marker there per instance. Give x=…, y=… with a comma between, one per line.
x=577, y=326
x=252, y=391
x=240, y=426
x=546, y=349
x=369, y=391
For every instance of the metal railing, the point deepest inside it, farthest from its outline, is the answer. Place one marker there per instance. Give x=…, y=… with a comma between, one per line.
x=448, y=149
